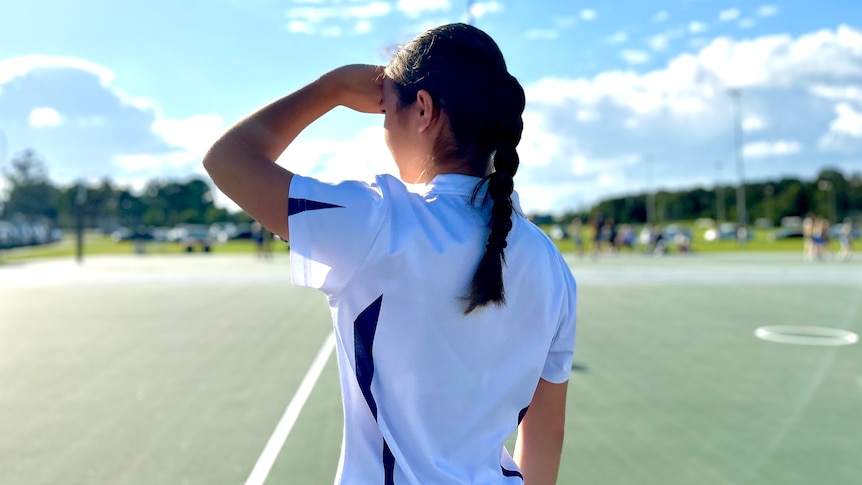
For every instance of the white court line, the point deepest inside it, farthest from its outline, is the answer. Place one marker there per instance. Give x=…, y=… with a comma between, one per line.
x=279, y=436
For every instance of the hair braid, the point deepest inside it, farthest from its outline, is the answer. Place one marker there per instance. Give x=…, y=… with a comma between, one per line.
x=464, y=72
x=487, y=284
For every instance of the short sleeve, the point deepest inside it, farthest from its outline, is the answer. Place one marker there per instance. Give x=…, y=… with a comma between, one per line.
x=558, y=365
x=332, y=228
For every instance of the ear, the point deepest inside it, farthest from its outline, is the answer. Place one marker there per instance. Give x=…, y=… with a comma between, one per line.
x=427, y=113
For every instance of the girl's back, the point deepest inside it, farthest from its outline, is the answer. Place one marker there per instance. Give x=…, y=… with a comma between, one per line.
x=445, y=389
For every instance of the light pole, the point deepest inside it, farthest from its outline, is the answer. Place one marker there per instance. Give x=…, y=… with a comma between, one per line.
x=741, y=213
x=827, y=187
x=719, y=194
x=769, y=191
x=470, y=19
x=650, y=195
x=80, y=200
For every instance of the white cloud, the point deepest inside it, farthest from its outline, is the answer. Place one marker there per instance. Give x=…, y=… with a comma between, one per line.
x=658, y=42
x=363, y=27
x=845, y=131
x=752, y=123
x=766, y=149
x=357, y=158
x=300, y=27
x=190, y=138
x=767, y=11
x=848, y=93
x=102, y=128
x=542, y=34
x=660, y=16
x=617, y=38
x=414, y=8
x=728, y=15
x=44, y=117
x=632, y=56
x=314, y=18
x=588, y=14
x=746, y=23
x=697, y=27
x=20, y=66
x=194, y=134
x=848, y=121
x=781, y=60
x=681, y=117
x=480, y=9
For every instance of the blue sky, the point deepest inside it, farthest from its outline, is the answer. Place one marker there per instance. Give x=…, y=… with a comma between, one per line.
x=623, y=95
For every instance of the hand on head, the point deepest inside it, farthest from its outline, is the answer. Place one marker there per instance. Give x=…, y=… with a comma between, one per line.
x=357, y=86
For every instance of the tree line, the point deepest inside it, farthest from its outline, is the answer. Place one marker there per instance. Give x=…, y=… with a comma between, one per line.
x=31, y=195
x=830, y=195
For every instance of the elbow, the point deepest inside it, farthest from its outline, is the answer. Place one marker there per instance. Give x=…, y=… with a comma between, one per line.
x=215, y=162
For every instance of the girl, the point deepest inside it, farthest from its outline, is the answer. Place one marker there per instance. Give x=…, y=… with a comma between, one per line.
x=453, y=314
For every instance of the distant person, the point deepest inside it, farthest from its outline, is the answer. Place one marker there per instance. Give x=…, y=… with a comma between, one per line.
x=454, y=316
x=598, y=223
x=845, y=239
x=819, y=237
x=625, y=237
x=648, y=238
x=262, y=241
x=576, y=233
x=807, y=241
x=742, y=234
x=609, y=233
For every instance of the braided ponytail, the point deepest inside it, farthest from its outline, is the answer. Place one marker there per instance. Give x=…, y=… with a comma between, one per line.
x=463, y=70
x=487, y=284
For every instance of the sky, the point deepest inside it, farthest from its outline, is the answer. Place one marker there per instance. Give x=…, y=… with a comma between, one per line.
x=623, y=96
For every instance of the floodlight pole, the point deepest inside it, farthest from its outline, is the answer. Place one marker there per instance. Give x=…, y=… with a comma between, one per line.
x=719, y=194
x=80, y=200
x=741, y=213
x=650, y=195
x=4, y=147
x=470, y=19
x=832, y=199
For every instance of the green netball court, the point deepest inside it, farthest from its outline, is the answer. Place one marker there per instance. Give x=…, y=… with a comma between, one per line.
x=180, y=369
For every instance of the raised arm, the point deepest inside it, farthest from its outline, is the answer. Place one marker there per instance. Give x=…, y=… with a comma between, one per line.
x=540, y=435
x=242, y=162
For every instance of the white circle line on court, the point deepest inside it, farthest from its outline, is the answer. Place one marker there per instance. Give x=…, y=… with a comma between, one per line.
x=802, y=335
x=282, y=430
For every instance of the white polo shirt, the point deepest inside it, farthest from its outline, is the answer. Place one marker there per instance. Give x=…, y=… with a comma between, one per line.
x=430, y=394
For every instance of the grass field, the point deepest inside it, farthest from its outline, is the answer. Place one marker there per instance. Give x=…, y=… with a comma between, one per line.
x=97, y=244
x=169, y=368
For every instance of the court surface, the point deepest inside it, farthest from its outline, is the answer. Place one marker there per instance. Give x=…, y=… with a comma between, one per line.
x=179, y=370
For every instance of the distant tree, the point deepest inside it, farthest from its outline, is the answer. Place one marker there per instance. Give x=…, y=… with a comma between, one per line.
x=30, y=193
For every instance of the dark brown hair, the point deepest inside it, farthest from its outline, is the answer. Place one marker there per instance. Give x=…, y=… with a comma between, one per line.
x=464, y=72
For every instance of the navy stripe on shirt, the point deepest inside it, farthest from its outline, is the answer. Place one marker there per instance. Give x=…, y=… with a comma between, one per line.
x=296, y=206
x=364, y=329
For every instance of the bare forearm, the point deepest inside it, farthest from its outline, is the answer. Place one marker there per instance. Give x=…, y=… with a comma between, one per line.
x=539, y=446
x=268, y=131
x=538, y=457
x=241, y=162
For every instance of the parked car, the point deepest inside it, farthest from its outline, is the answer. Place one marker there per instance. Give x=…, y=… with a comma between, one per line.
x=727, y=231
x=786, y=233
x=137, y=234
x=195, y=235
x=8, y=235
